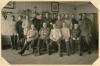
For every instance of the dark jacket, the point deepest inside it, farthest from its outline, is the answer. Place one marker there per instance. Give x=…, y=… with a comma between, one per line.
x=75, y=33
x=19, y=28
x=37, y=23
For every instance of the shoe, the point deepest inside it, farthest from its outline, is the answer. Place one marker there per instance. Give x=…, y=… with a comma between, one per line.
x=68, y=54
x=20, y=53
x=89, y=52
x=60, y=55
x=80, y=54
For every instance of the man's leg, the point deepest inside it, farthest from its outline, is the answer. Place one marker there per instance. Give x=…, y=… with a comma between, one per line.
x=88, y=41
x=73, y=46
x=49, y=47
x=12, y=42
x=38, y=45
x=67, y=47
x=15, y=42
x=59, y=48
x=47, y=44
x=24, y=48
x=80, y=47
x=32, y=45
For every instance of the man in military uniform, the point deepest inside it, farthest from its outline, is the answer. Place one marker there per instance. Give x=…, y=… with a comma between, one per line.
x=85, y=26
x=55, y=37
x=75, y=39
x=37, y=21
x=20, y=31
x=66, y=36
x=43, y=37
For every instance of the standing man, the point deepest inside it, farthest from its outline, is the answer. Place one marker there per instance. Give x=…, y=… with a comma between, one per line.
x=14, y=33
x=85, y=26
x=66, y=37
x=75, y=39
x=47, y=19
x=37, y=21
x=20, y=31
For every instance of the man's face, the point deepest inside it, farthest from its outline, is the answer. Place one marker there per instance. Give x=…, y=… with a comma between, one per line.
x=26, y=17
x=32, y=27
x=44, y=25
x=58, y=17
x=64, y=25
x=79, y=16
x=19, y=18
x=46, y=15
x=75, y=26
x=54, y=26
x=39, y=17
x=73, y=16
x=66, y=16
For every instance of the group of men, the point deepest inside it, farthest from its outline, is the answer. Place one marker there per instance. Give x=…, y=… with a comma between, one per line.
x=41, y=32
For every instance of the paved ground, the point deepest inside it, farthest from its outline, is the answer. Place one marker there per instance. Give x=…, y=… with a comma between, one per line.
x=14, y=58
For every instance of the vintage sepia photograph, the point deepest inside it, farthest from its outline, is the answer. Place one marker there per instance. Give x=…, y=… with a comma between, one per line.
x=49, y=32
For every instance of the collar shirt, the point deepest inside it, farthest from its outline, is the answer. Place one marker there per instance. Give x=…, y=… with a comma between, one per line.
x=44, y=33
x=32, y=34
x=55, y=34
x=65, y=33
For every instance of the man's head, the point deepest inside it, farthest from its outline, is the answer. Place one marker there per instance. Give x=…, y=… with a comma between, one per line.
x=79, y=16
x=64, y=25
x=84, y=15
x=46, y=15
x=76, y=26
x=44, y=25
x=32, y=26
x=58, y=17
x=73, y=16
x=66, y=16
x=39, y=16
x=54, y=25
x=13, y=17
x=26, y=17
x=19, y=17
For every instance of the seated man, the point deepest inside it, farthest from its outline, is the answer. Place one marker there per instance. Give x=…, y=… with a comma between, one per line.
x=55, y=36
x=32, y=35
x=75, y=38
x=66, y=36
x=44, y=37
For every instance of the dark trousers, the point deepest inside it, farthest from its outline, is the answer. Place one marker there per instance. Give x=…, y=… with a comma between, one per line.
x=41, y=43
x=26, y=45
x=20, y=40
x=76, y=45
x=68, y=47
x=59, y=46
x=87, y=40
x=14, y=42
